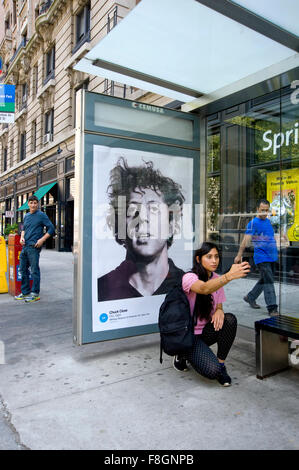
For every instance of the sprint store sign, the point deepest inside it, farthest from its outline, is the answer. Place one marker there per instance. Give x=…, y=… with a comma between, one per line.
x=276, y=140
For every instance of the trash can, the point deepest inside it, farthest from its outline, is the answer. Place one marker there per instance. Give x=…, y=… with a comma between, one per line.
x=3, y=267
x=14, y=251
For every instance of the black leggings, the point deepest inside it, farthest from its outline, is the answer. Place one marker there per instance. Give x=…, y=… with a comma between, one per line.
x=202, y=358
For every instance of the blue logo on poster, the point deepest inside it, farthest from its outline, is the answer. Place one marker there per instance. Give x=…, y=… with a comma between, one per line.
x=103, y=317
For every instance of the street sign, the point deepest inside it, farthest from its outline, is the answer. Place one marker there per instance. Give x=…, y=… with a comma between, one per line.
x=7, y=103
x=7, y=118
x=7, y=98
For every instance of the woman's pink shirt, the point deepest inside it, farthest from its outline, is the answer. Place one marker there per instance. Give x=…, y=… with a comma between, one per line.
x=218, y=298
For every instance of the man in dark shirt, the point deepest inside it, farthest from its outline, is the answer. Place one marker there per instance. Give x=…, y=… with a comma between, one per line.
x=153, y=207
x=32, y=239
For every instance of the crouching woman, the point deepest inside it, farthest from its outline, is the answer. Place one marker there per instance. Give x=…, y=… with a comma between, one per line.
x=204, y=289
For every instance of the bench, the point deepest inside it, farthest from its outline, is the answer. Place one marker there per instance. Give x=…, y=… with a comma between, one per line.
x=271, y=340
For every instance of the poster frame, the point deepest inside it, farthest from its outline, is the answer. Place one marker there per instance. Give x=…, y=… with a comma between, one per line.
x=86, y=138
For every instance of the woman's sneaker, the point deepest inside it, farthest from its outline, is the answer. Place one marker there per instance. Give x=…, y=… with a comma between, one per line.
x=224, y=379
x=32, y=297
x=20, y=296
x=180, y=364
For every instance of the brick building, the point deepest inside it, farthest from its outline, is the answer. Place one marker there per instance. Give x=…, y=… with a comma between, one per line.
x=40, y=42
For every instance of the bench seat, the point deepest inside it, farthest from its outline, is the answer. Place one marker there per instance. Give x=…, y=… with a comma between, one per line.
x=271, y=337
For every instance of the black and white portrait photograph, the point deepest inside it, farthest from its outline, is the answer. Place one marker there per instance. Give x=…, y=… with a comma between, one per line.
x=141, y=215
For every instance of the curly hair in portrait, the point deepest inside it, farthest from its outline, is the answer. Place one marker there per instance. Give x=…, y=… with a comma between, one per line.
x=125, y=179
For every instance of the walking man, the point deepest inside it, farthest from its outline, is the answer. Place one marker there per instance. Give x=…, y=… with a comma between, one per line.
x=32, y=239
x=261, y=233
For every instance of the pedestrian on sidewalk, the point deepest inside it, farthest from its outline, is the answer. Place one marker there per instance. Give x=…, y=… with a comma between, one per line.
x=32, y=239
x=204, y=289
x=260, y=231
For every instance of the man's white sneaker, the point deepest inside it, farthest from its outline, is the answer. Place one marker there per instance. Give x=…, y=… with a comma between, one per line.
x=32, y=297
x=20, y=296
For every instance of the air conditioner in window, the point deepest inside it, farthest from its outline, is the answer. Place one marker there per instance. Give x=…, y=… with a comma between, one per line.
x=48, y=137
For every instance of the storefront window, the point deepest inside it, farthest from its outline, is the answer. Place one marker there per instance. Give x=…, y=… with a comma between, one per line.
x=257, y=157
x=213, y=183
x=19, y=213
x=51, y=199
x=2, y=217
x=214, y=151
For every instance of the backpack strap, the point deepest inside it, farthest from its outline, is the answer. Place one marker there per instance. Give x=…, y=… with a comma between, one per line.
x=161, y=351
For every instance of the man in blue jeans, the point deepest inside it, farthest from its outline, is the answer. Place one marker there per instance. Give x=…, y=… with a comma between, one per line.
x=32, y=239
x=261, y=233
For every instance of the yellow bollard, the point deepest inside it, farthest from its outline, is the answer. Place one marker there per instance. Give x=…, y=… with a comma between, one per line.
x=3, y=267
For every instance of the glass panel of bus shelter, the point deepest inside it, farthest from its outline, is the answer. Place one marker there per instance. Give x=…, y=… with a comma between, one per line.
x=249, y=163
x=288, y=206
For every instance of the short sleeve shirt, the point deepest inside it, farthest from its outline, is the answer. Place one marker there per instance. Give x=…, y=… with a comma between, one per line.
x=218, y=298
x=263, y=240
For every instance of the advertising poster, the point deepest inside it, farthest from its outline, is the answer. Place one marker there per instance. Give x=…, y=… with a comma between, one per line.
x=7, y=103
x=283, y=194
x=141, y=208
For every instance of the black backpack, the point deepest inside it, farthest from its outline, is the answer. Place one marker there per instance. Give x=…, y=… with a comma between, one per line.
x=175, y=323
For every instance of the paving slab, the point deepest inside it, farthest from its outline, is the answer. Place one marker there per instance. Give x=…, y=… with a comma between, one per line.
x=115, y=395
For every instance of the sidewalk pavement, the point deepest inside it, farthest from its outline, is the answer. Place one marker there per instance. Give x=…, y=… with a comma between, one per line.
x=116, y=395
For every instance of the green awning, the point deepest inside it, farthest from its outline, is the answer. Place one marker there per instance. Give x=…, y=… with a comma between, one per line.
x=39, y=194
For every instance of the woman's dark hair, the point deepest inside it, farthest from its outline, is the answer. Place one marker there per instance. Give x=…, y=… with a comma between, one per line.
x=203, y=303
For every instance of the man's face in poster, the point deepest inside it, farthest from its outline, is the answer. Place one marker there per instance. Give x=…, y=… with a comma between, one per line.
x=148, y=226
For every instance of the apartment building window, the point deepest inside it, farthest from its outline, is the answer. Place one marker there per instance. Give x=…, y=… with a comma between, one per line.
x=33, y=136
x=82, y=27
x=24, y=96
x=5, y=159
x=108, y=87
x=23, y=146
x=35, y=80
x=44, y=6
x=111, y=19
x=24, y=39
x=50, y=65
x=14, y=11
x=130, y=89
x=49, y=126
x=36, y=12
x=11, y=152
x=7, y=24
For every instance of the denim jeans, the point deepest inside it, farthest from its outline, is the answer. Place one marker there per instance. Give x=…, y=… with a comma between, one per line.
x=266, y=284
x=30, y=257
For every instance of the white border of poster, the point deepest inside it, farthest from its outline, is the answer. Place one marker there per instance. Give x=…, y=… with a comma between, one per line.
x=107, y=254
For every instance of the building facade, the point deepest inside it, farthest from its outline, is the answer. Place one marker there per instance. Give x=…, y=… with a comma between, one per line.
x=40, y=42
